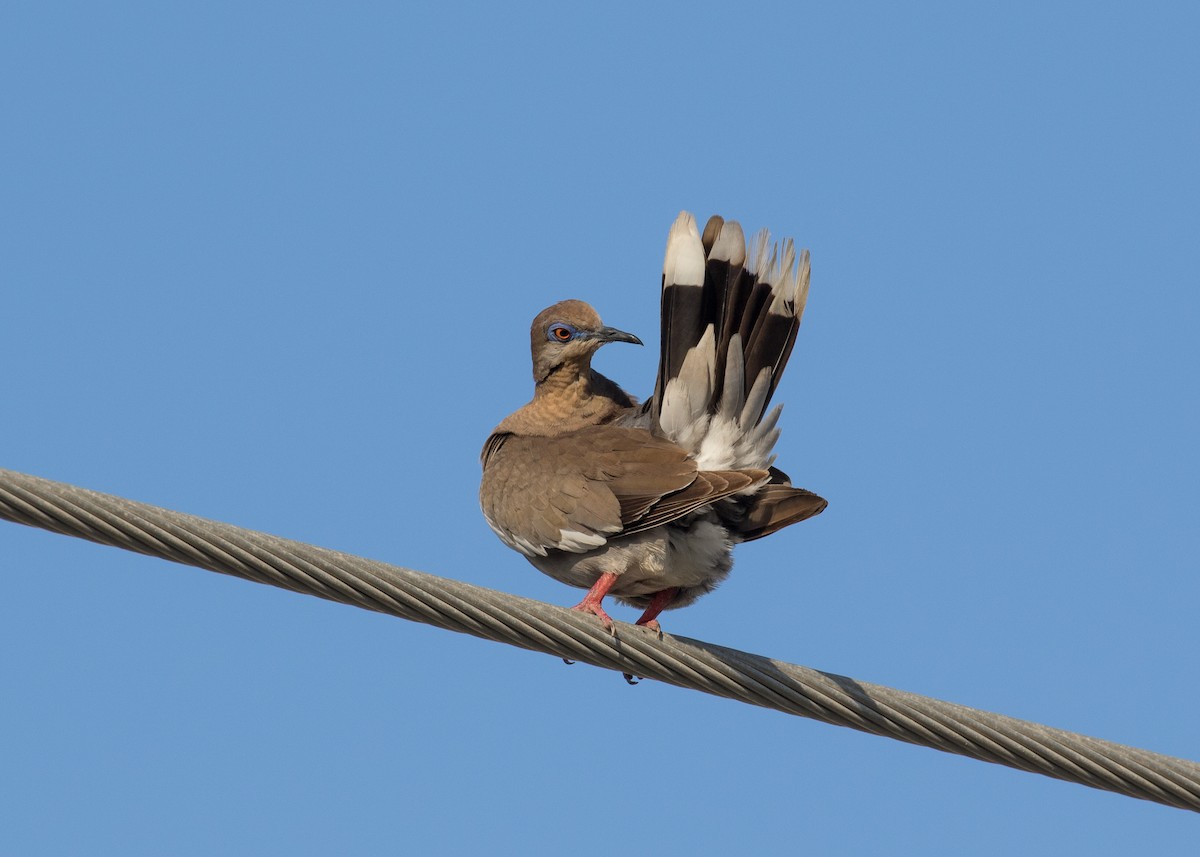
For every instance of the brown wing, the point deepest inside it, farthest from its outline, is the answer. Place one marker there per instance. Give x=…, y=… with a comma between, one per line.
x=777, y=505
x=575, y=491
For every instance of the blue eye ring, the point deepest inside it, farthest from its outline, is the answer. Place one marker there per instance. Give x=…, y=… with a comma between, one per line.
x=560, y=332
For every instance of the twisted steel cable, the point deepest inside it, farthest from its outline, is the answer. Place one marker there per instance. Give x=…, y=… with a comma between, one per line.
x=542, y=627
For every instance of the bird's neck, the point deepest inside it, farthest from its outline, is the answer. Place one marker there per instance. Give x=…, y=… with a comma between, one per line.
x=571, y=380
x=568, y=399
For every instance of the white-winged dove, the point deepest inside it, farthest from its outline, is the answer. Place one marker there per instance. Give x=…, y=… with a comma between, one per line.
x=645, y=502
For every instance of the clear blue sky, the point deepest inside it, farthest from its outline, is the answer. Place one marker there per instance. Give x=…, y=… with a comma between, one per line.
x=274, y=264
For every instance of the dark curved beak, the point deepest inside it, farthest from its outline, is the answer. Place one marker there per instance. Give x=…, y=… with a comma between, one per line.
x=611, y=334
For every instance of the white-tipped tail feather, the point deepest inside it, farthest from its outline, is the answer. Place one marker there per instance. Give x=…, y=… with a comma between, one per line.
x=683, y=263
x=730, y=245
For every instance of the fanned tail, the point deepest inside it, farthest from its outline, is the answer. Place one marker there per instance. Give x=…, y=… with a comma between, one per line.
x=730, y=315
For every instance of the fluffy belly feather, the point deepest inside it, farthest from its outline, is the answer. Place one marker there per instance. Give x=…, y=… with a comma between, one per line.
x=693, y=554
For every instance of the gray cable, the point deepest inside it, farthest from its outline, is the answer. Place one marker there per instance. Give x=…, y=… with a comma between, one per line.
x=566, y=634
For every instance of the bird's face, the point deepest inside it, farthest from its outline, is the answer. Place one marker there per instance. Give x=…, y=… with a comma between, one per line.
x=569, y=333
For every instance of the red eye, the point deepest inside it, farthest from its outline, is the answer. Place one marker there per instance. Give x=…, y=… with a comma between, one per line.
x=562, y=333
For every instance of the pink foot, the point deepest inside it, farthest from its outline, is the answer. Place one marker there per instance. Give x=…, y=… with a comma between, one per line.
x=591, y=602
x=586, y=606
x=658, y=603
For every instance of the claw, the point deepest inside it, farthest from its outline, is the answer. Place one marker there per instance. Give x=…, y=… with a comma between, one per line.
x=630, y=678
x=653, y=626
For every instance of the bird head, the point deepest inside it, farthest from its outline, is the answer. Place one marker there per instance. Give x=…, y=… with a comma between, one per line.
x=568, y=334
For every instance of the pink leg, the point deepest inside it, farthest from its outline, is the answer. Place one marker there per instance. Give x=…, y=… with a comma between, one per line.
x=591, y=601
x=657, y=604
